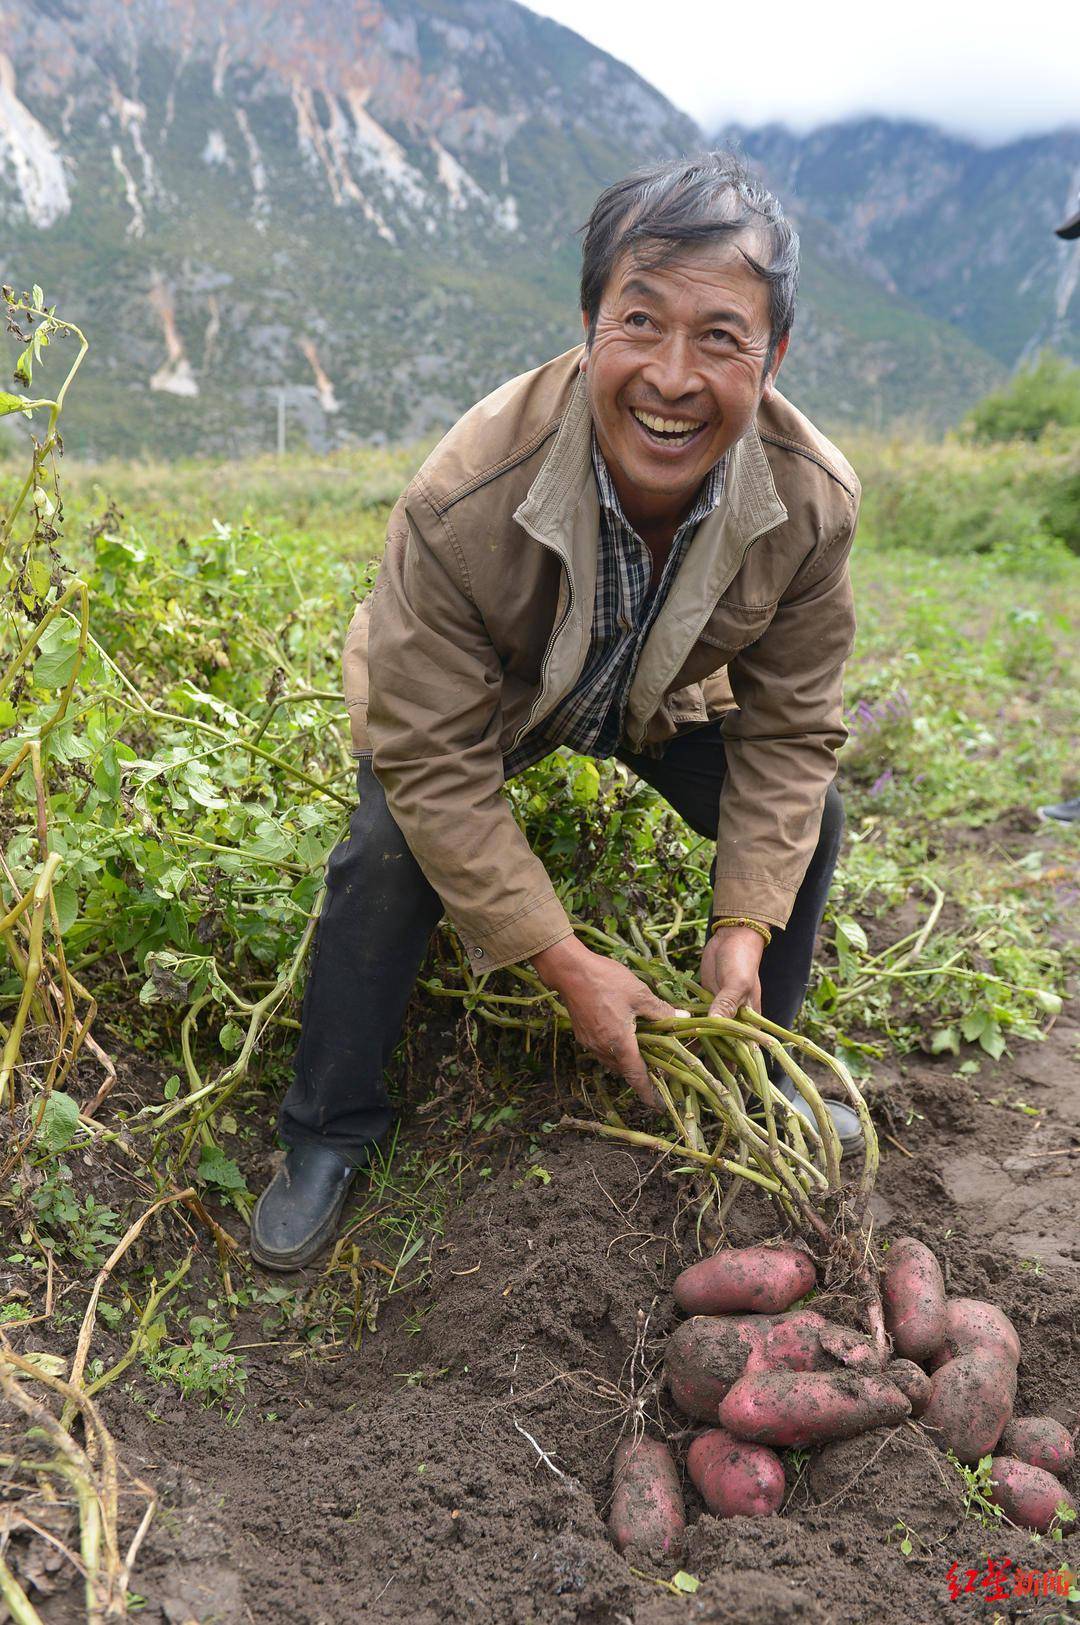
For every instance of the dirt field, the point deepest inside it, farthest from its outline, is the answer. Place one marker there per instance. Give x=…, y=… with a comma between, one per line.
x=382, y=1496
x=405, y=1482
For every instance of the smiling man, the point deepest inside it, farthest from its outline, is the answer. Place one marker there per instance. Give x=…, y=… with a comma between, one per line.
x=639, y=550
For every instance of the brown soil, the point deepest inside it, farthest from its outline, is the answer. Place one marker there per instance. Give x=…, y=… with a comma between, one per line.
x=457, y=1466
x=398, y=1482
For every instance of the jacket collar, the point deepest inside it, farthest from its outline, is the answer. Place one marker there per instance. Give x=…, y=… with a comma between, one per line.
x=561, y=509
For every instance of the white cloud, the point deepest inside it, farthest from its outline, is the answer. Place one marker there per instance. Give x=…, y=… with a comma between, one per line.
x=992, y=72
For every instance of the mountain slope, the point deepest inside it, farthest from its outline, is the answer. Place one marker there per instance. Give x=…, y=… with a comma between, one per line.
x=963, y=231
x=370, y=206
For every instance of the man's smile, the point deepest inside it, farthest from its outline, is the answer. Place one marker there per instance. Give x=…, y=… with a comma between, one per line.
x=676, y=432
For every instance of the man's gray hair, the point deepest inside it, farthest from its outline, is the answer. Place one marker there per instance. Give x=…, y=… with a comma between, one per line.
x=661, y=210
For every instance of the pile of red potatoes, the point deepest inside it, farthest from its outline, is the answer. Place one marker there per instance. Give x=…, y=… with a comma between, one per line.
x=766, y=1375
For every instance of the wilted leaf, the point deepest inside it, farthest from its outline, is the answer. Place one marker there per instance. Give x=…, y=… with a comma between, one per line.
x=973, y=1024
x=945, y=1039
x=853, y=934
x=53, y=1365
x=164, y=985
x=58, y=654
x=231, y=1036
x=12, y=403
x=66, y=899
x=992, y=1040
x=269, y=841
x=60, y=1122
x=215, y=1168
x=685, y=1582
x=586, y=786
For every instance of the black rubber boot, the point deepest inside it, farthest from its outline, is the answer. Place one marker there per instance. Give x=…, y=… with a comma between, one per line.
x=845, y=1118
x=298, y=1212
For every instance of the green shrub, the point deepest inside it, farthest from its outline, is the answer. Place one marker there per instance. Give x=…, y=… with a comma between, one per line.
x=1018, y=500
x=1045, y=393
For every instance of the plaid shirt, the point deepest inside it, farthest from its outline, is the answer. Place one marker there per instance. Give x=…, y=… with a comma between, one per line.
x=589, y=719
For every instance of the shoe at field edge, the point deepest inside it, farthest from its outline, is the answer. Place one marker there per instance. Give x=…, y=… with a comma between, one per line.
x=297, y=1214
x=845, y=1118
x=1062, y=812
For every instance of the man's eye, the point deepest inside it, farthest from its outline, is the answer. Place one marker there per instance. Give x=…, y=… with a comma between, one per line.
x=637, y=319
x=720, y=335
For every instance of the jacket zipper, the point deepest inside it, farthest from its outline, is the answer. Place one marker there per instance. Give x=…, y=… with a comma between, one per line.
x=555, y=635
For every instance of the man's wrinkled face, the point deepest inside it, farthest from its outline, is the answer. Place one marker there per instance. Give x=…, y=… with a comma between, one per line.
x=676, y=368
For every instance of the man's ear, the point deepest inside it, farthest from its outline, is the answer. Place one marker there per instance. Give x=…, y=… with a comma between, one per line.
x=584, y=356
x=774, y=367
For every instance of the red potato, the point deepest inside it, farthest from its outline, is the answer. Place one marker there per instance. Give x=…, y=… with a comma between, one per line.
x=970, y=1325
x=1039, y=1441
x=765, y=1280
x=794, y=1341
x=911, y=1380
x=647, y=1509
x=706, y=1355
x=809, y=1407
x=914, y=1299
x=735, y=1479
x=1027, y=1495
x=971, y=1400
x=803, y=1340
x=850, y=1348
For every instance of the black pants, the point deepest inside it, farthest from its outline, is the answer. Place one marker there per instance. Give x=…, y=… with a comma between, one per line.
x=379, y=913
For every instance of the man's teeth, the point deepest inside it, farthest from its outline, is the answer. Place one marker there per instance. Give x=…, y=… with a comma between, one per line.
x=665, y=425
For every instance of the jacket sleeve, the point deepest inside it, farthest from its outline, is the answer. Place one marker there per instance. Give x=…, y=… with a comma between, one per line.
x=434, y=716
x=782, y=740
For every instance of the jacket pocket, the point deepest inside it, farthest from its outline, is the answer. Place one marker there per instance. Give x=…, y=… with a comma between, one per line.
x=686, y=705
x=732, y=627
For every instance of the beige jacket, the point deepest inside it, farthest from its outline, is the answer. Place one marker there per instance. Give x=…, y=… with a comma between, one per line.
x=479, y=623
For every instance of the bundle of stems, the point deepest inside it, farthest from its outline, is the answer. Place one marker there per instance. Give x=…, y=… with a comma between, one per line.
x=727, y=1124
x=86, y=1474
x=49, y=991
x=49, y=1467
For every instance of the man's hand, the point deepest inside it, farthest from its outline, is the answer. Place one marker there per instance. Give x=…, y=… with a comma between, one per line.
x=603, y=999
x=729, y=969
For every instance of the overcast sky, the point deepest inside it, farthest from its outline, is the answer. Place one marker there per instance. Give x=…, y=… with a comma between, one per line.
x=993, y=72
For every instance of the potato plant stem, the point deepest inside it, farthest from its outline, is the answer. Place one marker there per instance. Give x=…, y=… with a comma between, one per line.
x=34, y=963
x=17, y=1602
x=654, y=1142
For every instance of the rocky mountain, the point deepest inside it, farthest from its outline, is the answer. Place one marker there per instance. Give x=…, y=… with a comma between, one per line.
x=963, y=231
x=369, y=205
x=361, y=214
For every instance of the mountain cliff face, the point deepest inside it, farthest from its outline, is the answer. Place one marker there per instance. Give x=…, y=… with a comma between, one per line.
x=371, y=206
x=364, y=212
x=964, y=232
